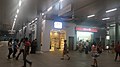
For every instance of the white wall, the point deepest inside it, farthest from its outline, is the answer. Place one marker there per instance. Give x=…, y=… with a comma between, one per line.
x=47, y=27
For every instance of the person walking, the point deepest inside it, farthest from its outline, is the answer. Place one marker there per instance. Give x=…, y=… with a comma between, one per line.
x=26, y=52
x=65, y=51
x=117, y=50
x=21, y=48
x=10, y=48
x=15, y=46
x=94, y=55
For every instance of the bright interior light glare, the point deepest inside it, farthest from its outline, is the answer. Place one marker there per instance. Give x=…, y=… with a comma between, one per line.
x=49, y=8
x=106, y=18
x=84, y=35
x=111, y=10
x=17, y=11
x=90, y=16
x=20, y=2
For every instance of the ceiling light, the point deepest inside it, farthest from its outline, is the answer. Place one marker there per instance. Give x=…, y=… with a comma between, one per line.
x=13, y=25
x=49, y=8
x=36, y=18
x=20, y=2
x=106, y=18
x=14, y=19
x=61, y=0
x=43, y=14
x=17, y=11
x=90, y=16
x=32, y=21
x=15, y=16
x=111, y=10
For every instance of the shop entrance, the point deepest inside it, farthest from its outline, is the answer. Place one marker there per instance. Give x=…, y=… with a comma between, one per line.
x=84, y=36
x=57, y=38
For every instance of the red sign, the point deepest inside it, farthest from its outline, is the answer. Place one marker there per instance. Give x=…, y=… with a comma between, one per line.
x=86, y=29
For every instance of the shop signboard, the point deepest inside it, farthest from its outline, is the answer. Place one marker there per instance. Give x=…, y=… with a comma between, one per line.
x=58, y=25
x=86, y=29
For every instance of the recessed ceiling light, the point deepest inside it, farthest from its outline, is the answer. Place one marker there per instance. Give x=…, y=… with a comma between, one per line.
x=90, y=16
x=106, y=18
x=15, y=16
x=49, y=8
x=20, y=2
x=111, y=10
x=17, y=11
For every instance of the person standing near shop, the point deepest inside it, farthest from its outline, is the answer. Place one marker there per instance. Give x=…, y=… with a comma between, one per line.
x=86, y=47
x=10, y=48
x=33, y=46
x=65, y=51
x=95, y=54
x=26, y=52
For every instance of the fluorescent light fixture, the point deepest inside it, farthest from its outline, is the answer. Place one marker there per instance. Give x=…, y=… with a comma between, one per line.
x=32, y=21
x=49, y=8
x=17, y=11
x=13, y=25
x=106, y=18
x=15, y=16
x=90, y=16
x=36, y=18
x=14, y=19
x=111, y=10
x=61, y=0
x=112, y=25
x=107, y=37
x=20, y=2
x=43, y=14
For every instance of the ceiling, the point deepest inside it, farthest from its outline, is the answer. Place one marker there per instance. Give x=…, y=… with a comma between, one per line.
x=80, y=10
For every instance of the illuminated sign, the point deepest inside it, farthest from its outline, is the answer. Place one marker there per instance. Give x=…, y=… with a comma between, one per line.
x=86, y=29
x=58, y=25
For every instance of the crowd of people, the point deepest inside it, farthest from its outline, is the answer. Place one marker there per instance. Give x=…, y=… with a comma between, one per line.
x=95, y=49
x=17, y=47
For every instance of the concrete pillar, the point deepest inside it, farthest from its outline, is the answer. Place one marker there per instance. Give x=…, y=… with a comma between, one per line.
x=38, y=33
x=117, y=27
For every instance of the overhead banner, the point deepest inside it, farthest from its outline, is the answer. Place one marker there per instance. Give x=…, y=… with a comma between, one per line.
x=86, y=29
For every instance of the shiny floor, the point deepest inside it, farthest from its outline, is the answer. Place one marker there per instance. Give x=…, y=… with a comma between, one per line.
x=52, y=59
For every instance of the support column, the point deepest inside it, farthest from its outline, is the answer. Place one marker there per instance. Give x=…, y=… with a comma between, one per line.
x=38, y=34
x=116, y=32
x=116, y=27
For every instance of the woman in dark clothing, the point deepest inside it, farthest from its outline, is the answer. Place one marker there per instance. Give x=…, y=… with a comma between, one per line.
x=10, y=48
x=33, y=46
x=65, y=51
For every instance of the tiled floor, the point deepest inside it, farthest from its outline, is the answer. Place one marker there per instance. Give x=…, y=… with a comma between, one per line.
x=52, y=59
